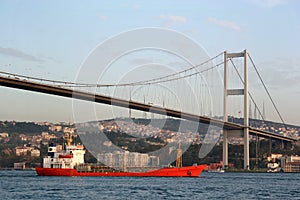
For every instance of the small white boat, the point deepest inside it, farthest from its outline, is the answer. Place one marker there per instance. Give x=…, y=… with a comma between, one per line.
x=219, y=170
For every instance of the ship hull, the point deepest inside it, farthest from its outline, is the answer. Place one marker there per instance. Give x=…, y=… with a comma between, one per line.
x=190, y=171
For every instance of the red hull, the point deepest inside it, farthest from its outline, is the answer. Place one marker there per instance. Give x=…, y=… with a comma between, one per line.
x=191, y=171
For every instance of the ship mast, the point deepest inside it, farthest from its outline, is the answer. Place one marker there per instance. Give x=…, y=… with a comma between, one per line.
x=68, y=138
x=179, y=157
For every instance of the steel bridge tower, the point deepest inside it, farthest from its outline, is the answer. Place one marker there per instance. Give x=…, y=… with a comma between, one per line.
x=244, y=92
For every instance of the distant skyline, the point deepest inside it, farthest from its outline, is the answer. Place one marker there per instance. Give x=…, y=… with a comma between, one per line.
x=51, y=39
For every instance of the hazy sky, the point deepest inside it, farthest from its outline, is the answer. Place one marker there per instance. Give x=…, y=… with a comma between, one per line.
x=51, y=39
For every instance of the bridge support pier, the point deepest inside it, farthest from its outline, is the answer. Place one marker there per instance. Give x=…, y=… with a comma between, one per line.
x=225, y=149
x=246, y=149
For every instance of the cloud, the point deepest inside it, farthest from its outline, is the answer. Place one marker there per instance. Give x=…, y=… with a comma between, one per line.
x=173, y=19
x=268, y=3
x=51, y=59
x=285, y=68
x=136, y=6
x=19, y=54
x=225, y=23
x=102, y=17
x=131, y=6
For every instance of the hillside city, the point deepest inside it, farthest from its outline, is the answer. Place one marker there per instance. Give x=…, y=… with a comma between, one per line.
x=26, y=142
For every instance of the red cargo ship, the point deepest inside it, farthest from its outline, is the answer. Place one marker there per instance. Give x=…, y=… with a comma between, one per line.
x=70, y=162
x=191, y=171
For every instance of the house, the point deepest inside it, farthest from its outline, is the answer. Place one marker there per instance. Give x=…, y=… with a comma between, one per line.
x=35, y=153
x=4, y=135
x=21, y=151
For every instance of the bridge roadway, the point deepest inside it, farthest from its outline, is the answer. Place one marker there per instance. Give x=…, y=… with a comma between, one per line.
x=65, y=92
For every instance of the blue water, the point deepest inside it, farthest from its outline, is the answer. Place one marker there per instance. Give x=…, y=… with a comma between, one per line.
x=26, y=185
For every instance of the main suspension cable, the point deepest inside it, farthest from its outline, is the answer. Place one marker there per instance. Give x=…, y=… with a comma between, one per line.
x=266, y=89
x=150, y=81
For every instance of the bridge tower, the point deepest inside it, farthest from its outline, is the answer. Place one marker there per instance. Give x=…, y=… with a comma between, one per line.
x=244, y=92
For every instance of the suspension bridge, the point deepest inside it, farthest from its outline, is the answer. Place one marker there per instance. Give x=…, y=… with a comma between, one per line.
x=193, y=74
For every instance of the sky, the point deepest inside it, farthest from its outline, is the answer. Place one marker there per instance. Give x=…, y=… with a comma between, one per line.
x=51, y=39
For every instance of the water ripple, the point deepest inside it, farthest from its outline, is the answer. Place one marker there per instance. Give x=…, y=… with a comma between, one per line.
x=26, y=185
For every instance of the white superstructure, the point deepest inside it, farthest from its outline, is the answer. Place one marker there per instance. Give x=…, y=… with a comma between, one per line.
x=68, y=158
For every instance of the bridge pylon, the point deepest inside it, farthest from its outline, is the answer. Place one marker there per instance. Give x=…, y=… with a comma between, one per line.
x=244, y=92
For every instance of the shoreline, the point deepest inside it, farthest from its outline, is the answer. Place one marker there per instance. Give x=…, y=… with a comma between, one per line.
x=12, y=169
x=247, y=171
x=226, y=171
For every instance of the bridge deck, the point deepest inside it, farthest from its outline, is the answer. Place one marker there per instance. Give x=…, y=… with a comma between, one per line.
x=64, y=92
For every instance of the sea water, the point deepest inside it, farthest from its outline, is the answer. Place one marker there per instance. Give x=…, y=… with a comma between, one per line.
x=27, y=185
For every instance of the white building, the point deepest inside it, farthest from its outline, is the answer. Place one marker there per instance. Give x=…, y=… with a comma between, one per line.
x=20, y=165
x=127, y=160
x=290, y=163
